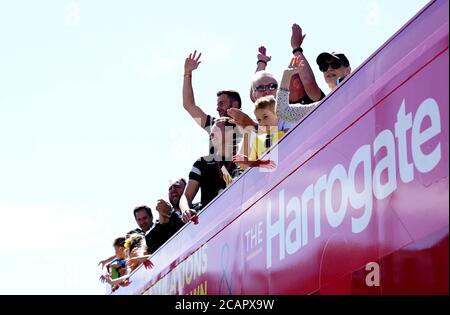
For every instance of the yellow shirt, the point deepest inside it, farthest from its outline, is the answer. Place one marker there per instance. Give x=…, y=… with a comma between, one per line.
x=262, y=143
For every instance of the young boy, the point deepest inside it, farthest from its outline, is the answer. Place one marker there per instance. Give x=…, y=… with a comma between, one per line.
x=118, y=265
x=269, y=134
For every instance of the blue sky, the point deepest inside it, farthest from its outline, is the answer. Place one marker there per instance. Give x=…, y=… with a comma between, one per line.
x=91, y=117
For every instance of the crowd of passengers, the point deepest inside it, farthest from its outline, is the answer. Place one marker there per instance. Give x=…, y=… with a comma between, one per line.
x=237, y=142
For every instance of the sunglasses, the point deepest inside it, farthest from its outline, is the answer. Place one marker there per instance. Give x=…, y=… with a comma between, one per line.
x=335, y=64
x=268, y=87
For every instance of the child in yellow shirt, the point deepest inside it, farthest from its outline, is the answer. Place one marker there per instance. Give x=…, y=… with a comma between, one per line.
x=268, y=134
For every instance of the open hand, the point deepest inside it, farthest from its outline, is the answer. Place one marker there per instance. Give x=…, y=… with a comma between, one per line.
x=191, y=63
x=240, y=118
x=102, y=263
x=297, y=36
x=148, y=264
x=103, y=278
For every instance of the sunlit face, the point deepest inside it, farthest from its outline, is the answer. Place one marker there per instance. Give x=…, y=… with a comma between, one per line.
x=332, y=75
x=143, y=220
x=266, y=117
x=119, y=251
x=264, y=82
x=175, y=192
x=223, y=104
x=222, y=138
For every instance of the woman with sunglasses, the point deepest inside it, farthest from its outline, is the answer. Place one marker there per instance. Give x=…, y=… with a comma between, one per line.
x=335, y=68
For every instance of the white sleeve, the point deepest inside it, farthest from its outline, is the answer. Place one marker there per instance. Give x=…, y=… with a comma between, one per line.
x=291, y=113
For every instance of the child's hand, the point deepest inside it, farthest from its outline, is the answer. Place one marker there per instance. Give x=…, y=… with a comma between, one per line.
x=240, y=158
x=262, y=163
x=102, y=263
x=103, y=278
x=269, y=164
x=148, y=264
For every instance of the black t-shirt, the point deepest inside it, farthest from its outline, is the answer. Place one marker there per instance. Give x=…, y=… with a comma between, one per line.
x=157, y=236
x=175, y=222
x=207, y=171
x=162, y=232
x=209, y=122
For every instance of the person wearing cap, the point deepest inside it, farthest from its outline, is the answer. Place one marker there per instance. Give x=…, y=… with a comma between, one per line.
x=335, y=67
x=297, y=87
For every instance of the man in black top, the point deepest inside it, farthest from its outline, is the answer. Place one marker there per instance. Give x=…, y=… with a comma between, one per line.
x=226, y=99
x=212, y=173
x=169, y=217
x=169, y=212
x=144, y=218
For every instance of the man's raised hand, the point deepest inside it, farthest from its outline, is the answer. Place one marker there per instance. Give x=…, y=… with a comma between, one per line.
x=191, y=63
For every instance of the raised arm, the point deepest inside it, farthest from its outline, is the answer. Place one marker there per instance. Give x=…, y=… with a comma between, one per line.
x=306, y=74
x=106, y=261
x=191, y=63
x=145, y=259
x=285, y=111
x=261, y=65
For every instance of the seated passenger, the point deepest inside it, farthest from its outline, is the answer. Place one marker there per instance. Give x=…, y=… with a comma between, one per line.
x=212, y=173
